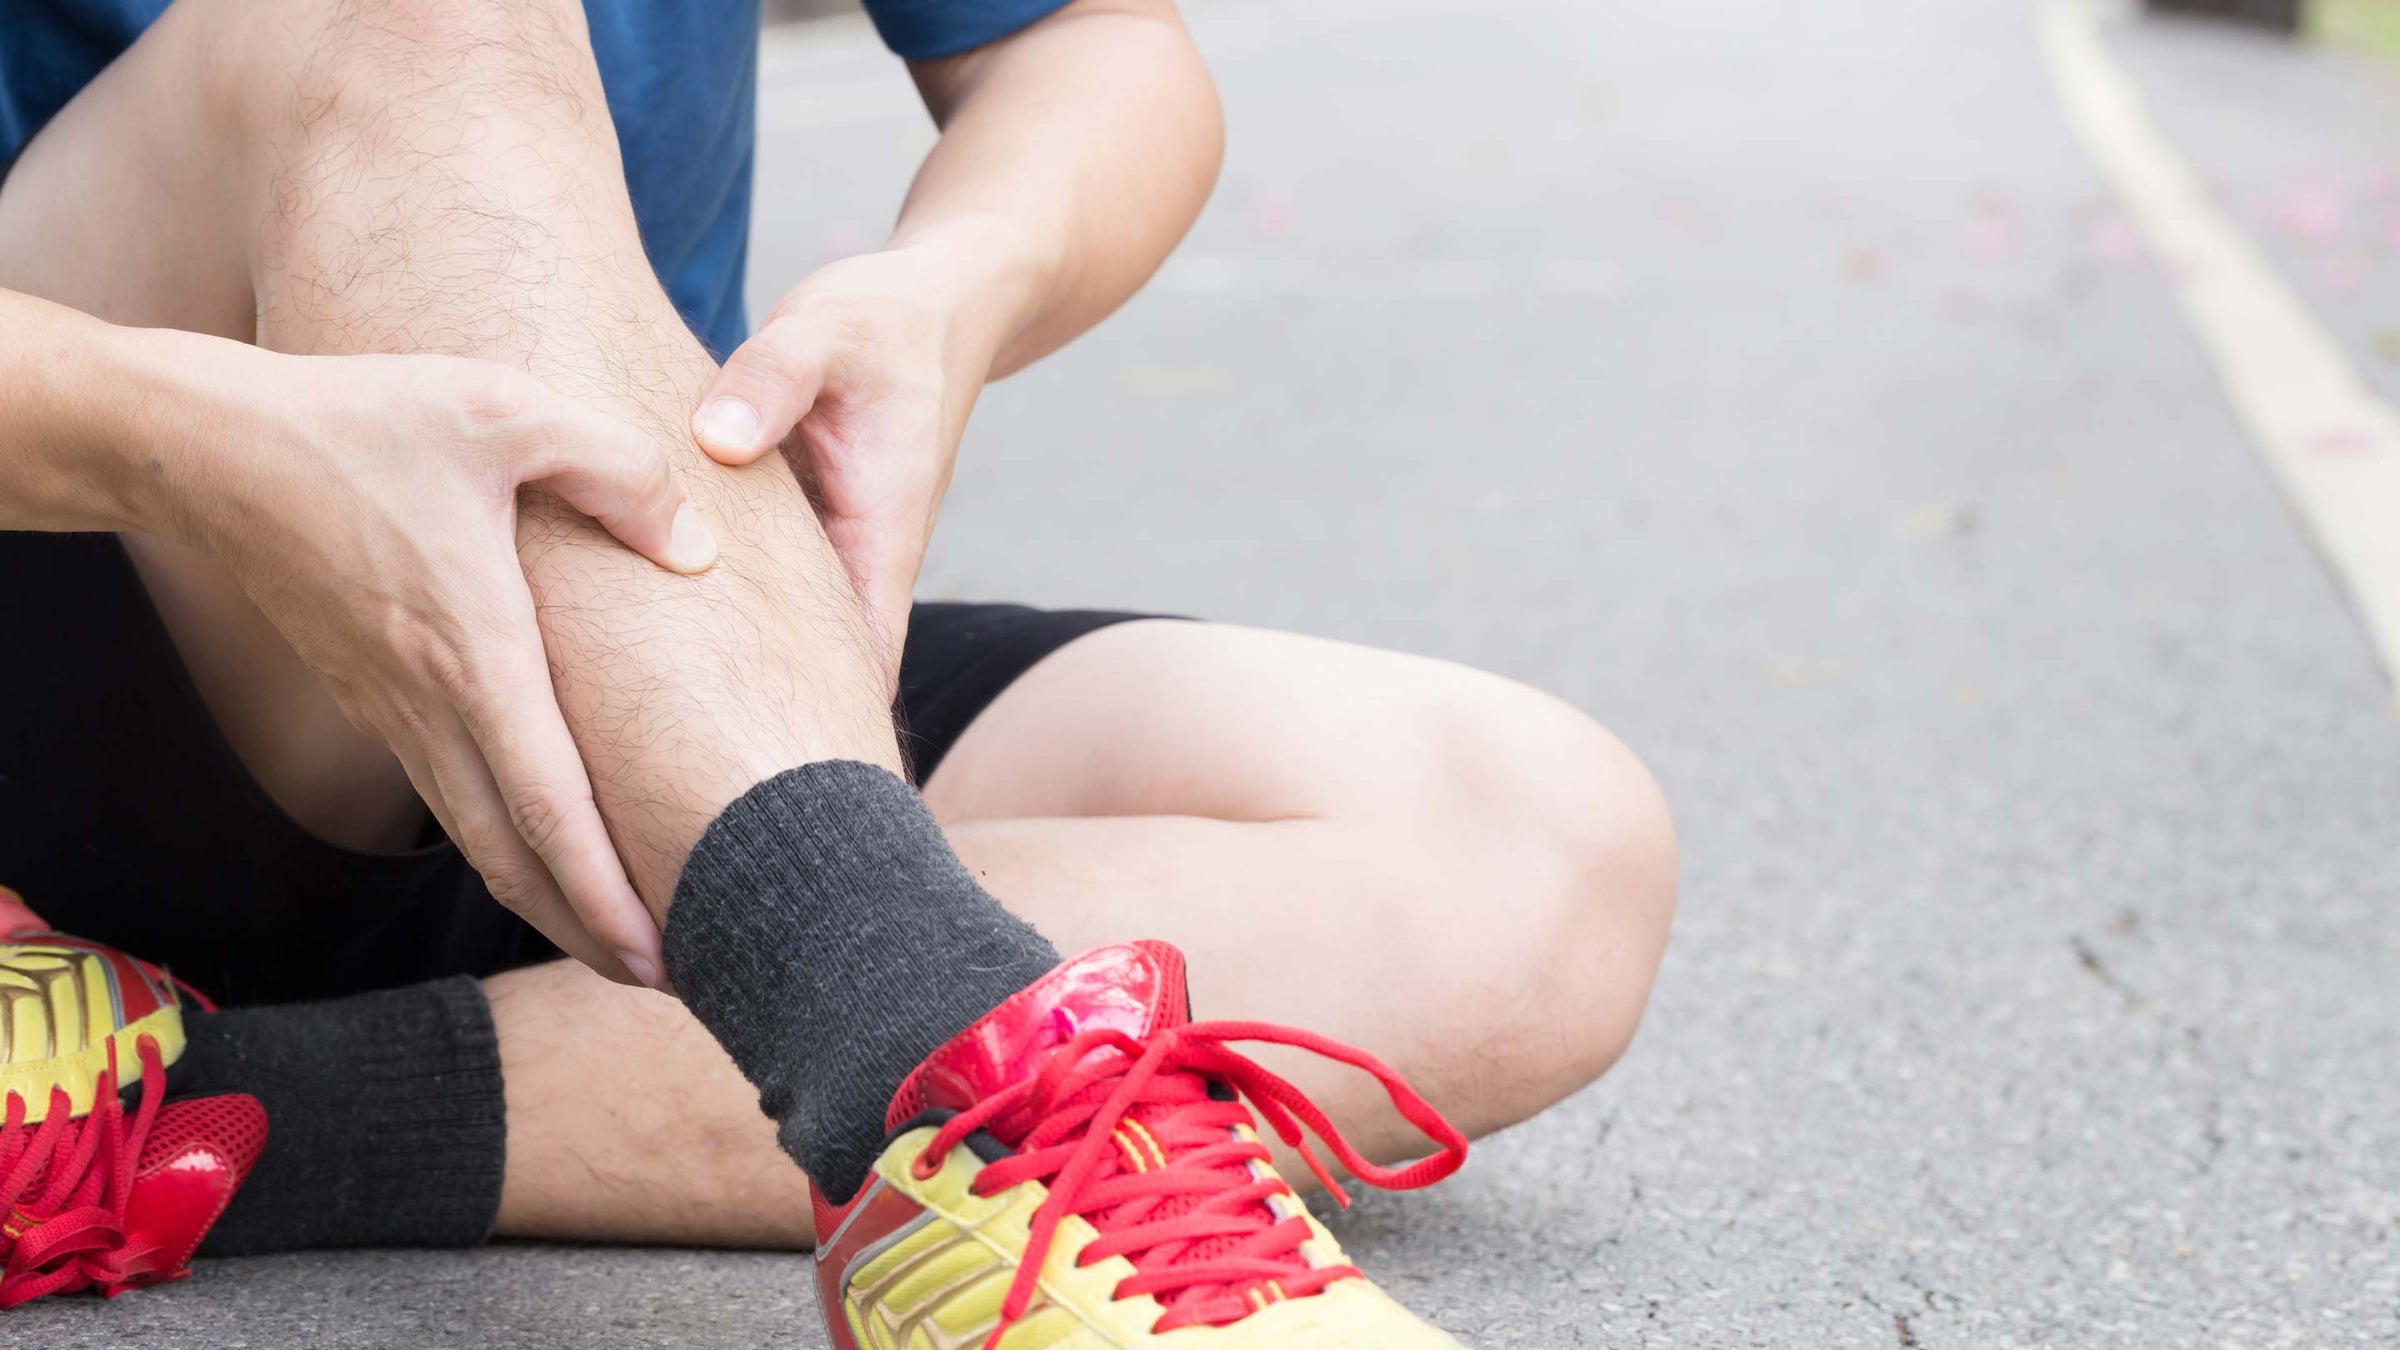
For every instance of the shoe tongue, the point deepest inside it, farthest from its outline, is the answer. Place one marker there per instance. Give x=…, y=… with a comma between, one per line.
x=1132, y=987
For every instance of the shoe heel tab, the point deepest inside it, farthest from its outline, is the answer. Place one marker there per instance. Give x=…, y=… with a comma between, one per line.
x=1135, y=987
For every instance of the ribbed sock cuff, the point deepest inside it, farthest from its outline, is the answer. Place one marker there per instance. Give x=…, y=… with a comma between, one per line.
x=386, y=1122
x=827, y=936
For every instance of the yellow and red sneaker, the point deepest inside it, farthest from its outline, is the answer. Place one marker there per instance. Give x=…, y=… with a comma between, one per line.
x=1077, y=1170
x=92, y=1197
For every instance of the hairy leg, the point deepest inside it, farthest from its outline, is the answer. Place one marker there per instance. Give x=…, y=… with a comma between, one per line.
x=440, y=176
x=1461, y=875
x=628, y=1123
x=470, y=201
x=81, y=223
x=313, y=213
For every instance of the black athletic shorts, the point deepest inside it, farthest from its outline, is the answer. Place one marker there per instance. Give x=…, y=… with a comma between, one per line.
x=126, y=817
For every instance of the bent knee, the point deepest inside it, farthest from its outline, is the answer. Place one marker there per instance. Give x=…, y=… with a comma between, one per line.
x=1570, y=855
x=319, y=67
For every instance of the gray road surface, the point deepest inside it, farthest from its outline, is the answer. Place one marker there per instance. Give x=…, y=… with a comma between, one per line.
x=1776, y=382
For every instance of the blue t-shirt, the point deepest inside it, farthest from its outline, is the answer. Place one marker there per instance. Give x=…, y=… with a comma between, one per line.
x=682, y=79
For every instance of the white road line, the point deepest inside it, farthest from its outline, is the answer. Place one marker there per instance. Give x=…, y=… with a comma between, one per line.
x=2331, y=442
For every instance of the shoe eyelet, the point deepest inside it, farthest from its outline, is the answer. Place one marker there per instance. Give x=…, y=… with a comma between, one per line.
x=922, y=1167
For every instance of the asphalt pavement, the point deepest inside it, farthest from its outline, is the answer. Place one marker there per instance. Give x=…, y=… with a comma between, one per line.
x=1779, y=383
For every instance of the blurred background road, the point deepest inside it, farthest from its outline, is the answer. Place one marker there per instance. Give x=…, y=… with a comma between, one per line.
x=1782, y=384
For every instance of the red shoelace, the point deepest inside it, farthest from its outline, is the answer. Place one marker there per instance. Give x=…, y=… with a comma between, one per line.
x=1126, y=1134
x=65, y=1183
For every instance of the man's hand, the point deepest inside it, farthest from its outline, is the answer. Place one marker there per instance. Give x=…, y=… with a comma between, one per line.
x=864, y=374
x=1074, y=153
x=368, y=504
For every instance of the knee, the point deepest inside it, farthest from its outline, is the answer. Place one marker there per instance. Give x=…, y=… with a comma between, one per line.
x=1569, y=857
x=321, y=67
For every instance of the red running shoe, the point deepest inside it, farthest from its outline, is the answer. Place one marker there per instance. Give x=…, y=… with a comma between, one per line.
x=1077, y=1171
x=94, y=1197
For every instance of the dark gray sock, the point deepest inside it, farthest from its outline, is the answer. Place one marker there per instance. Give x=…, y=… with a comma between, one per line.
x=829, y=938
x=385, y=1122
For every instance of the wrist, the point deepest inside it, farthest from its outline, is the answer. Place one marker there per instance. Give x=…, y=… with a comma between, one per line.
x=68, y=416
x=104, y=428
x=1000, y=278
x=174, y=410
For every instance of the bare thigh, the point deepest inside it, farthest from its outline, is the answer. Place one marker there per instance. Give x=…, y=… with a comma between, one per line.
x=342, y=176
x=129, y=205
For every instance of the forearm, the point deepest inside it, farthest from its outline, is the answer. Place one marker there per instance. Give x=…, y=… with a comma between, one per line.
x=69, y=421
x=1073, y=157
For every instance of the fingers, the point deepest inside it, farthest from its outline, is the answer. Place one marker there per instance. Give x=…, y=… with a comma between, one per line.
x=761, y=394
x=537, y=787
x=478, y=824
x=616, y=475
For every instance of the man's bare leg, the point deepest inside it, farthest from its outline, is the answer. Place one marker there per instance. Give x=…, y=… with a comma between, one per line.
x=1162, y=870
x=442, y=176
x=428, y=177
x=448, y=181
x=1481, y=878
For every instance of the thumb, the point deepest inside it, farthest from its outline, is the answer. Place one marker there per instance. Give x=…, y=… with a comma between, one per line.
x=764, y=390
x=618, y=476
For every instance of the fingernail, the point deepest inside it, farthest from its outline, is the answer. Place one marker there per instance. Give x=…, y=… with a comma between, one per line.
x=690, y=543
x=641, y=968
x=728, y=424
